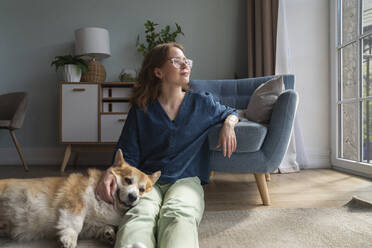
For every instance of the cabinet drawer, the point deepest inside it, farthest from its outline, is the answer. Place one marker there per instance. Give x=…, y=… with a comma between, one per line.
x=111, y=126
x=79, y=113
x=117, y=92
x=116, y=107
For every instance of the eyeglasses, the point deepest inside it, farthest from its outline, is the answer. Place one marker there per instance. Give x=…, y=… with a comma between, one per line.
x=178, y=62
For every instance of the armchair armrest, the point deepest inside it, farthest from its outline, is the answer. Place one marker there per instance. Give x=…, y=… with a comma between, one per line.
x=249, y=136
x=280, y=128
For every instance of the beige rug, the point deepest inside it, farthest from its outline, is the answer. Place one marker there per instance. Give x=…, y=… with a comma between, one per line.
x=348, y=226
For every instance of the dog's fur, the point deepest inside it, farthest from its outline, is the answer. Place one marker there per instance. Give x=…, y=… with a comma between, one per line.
x=67, y=207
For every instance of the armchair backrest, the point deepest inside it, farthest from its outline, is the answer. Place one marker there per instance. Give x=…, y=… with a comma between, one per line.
x=13, y=107
x=236, y=93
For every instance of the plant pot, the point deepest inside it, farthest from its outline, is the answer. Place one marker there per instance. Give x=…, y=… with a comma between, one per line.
x=96, y=72
x=71, y=73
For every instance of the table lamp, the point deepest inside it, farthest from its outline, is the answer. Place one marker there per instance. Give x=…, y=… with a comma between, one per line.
x=95, y=43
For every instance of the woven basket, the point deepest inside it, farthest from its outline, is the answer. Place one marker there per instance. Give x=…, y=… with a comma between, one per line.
x=96, y=73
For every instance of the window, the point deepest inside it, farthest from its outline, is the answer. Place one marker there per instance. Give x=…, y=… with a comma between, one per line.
x=352, y=85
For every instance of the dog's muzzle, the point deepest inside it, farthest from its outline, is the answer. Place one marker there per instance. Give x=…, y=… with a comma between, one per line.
x=122, y=202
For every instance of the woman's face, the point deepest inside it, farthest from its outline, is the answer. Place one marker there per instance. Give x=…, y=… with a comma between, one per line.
x=176, y=70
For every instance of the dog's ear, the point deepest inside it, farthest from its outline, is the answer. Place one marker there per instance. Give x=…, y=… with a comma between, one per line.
x=155, y=176
x=119, y=159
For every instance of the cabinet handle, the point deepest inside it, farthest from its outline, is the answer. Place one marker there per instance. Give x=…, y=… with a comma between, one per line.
x=121, y=120
x=78, y=89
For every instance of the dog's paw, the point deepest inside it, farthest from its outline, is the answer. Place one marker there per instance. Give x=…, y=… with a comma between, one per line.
x=109, y=235
x=136, y=245
x=67, y=242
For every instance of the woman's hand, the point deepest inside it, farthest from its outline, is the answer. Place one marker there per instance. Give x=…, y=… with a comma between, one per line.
x=227, y=139
x=106, y=187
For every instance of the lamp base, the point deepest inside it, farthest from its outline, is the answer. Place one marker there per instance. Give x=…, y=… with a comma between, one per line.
x=96, y=72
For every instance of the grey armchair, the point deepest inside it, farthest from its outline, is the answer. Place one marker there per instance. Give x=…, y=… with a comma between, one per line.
x=12, y=113
x=260, y=149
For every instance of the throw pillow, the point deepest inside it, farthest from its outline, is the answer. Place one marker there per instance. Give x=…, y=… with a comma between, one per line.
x=241, y=115
x=262, y=101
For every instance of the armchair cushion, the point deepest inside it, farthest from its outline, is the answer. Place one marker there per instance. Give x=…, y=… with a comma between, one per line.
x=249, y=136
x=263, y=99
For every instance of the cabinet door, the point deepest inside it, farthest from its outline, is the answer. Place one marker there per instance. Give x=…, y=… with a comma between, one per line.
x=79, y=113
x=111, y=126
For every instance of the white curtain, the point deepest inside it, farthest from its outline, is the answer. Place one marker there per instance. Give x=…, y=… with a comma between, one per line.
x=295, y=157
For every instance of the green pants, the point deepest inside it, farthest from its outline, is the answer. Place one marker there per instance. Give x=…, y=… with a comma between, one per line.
x=166, y=217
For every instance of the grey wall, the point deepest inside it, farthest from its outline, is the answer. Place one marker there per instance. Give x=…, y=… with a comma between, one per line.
x=33, y=32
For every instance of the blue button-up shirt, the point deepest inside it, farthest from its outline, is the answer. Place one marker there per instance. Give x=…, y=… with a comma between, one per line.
x=151, y=141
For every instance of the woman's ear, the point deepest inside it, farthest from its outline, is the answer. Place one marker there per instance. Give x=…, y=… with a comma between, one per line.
x=158, y=73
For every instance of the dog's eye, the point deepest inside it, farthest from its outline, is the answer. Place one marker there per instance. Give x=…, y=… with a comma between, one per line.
x=128, y=180
x=142, y=190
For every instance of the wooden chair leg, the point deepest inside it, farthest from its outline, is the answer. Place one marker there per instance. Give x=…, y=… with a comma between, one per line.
x=211, y=173
x=268, y=177
x=66, y=158
x=262, y=188
x=12, y=133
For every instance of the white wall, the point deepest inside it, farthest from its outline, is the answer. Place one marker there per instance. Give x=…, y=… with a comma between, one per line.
x=308, y=31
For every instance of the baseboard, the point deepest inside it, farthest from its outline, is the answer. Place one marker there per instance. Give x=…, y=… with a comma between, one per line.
x=51, y=156
x=318, y=159
x=353, y=172
x=38, y=156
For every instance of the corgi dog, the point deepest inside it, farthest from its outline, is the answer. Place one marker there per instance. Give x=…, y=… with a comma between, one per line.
x=67, y=208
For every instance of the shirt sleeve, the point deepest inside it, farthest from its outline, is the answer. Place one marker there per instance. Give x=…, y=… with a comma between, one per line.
x=128, y=141
x=218, y=111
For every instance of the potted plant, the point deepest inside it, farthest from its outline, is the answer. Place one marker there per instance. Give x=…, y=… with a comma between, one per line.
x=154, y=38
x=73, y=67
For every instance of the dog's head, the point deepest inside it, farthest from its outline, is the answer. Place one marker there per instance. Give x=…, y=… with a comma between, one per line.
x=132, y=183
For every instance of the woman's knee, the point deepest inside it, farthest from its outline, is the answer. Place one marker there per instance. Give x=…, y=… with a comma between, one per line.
x=185, y=199
x=150, y=210
x=180, y=212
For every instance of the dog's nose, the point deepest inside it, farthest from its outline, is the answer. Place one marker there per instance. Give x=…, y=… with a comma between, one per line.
x=132, y=197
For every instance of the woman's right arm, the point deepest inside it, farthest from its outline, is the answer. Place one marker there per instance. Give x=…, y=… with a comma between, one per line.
x=128, y=143
x=106, y=187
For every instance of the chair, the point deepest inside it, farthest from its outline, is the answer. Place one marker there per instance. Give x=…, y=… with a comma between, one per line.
x=12, y=113
x=260, y=149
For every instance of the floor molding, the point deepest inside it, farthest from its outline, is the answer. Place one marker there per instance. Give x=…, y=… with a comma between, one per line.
x=353, y=172
x=318, y=159
x=51, y=156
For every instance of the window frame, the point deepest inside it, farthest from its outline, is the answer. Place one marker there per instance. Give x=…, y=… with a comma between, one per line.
x=338, y=163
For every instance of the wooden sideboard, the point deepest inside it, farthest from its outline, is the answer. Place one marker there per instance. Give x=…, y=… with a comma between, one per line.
x=91, y=115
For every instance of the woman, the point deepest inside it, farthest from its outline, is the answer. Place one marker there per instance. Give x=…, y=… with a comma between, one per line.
x=166, y=130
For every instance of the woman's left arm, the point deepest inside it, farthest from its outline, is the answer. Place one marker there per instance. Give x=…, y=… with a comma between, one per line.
x=227, y=138
x=229, y=116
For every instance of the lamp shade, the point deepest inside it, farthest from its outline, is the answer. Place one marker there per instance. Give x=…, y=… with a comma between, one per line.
x=94, y=42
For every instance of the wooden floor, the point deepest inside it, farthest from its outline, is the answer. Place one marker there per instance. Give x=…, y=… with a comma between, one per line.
x=306, y=189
